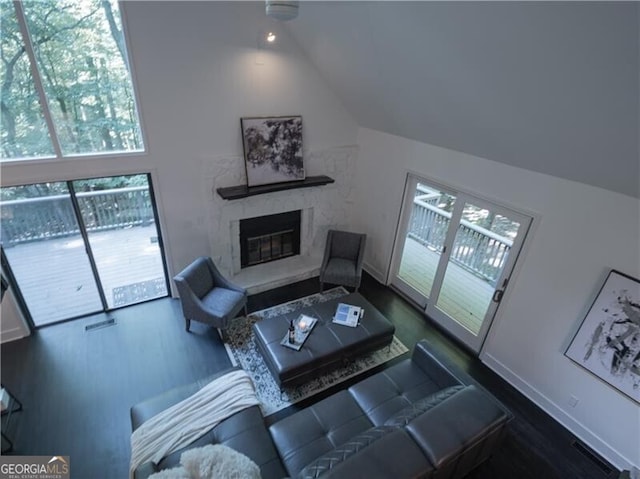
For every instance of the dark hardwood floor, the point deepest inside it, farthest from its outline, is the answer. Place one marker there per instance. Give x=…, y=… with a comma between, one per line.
x=77, y=386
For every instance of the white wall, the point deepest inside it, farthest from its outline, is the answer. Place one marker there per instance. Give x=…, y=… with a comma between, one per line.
x=495, y=79
x=199, y=69
x=582, y=232
x=12, y=323
x=322, y=208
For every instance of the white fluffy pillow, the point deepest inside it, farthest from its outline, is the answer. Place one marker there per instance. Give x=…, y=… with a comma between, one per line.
x=175, y=473
x=218, y=461
x=212, y=462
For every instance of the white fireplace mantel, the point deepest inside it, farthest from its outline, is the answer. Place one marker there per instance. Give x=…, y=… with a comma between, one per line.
x=323, y=208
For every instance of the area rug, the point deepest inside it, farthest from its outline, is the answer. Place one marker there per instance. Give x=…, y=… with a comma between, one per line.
x=243, y=352
x=136, y=292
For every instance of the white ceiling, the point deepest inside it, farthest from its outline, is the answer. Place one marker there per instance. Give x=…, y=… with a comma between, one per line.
x=551, y=87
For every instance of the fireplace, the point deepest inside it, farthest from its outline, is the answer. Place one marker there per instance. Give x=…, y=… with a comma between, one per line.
x=268, y=238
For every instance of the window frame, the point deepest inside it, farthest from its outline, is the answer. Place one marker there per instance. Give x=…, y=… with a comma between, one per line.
x=44, y=104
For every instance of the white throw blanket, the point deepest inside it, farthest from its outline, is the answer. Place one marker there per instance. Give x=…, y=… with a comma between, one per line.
x=183, y=423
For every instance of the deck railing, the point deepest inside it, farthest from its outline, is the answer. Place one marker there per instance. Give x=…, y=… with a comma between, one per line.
x=49, y=217
x=476, y=249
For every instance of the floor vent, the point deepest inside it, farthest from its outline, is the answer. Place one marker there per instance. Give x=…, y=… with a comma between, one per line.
x=100, y=324
x=593, y=457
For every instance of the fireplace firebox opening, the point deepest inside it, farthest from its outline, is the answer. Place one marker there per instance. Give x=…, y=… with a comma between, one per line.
x=269, y=238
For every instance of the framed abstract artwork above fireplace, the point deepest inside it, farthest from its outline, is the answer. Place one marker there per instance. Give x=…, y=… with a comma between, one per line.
x=272, y=149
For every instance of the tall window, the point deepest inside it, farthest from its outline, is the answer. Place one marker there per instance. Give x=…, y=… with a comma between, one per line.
x=66, y=84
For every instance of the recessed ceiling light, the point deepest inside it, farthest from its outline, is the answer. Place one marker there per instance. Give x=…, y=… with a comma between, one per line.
x=271, y=37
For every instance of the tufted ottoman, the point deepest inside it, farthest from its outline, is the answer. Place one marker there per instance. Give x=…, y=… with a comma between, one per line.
x=328, y=345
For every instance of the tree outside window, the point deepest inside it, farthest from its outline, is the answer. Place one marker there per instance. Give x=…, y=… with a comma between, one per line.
x=65, y=80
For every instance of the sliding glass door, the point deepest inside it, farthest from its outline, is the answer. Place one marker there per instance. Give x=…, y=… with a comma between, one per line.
x=119, y=219
x=84, y=246
x=455, y=255
x=43, y=243
x=429, y=215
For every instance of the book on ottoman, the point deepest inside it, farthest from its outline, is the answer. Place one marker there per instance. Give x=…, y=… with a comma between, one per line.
x=348, y=315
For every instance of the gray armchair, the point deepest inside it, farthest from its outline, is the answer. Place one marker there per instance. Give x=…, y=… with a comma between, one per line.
x=207, y=296
x=343, y=255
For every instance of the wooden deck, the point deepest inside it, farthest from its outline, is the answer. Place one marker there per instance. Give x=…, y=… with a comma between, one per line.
x=55, y=277
x=463, y=296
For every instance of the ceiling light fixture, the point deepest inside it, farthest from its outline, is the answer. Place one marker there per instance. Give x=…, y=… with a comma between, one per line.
x=271, y=37
x=282, y=9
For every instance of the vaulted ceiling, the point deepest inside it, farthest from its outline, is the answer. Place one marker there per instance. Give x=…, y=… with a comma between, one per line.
x=551, y=87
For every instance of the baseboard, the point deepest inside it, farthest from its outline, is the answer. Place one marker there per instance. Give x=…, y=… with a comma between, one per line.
x=375, y=273
x=585, y=434
x=13, y=335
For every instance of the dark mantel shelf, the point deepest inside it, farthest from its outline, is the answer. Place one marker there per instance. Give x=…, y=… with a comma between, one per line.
x=242, y=191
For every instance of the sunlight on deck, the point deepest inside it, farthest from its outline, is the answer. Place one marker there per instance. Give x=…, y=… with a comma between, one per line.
x=55, y=277
x=463, y=296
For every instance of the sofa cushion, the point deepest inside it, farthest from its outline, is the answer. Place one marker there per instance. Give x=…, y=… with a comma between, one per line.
x=245, y=431
x=318, y=429
x=149, y=408
x=340, y=271
x=385, y=394
x=442, y=370
x=223, y=302
x=344, y=451
x=380, y=452
x=408, y=414
x=456, y=425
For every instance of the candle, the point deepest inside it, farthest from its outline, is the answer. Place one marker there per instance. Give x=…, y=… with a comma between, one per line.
x=303, y=324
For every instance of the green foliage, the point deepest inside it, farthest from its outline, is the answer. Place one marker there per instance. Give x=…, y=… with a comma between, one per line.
x=41, y=190
x=24, y=131
x=475, y=215
x=111, y=182
x=81, y=60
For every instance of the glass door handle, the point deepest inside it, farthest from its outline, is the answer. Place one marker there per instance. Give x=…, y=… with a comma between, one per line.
x=497, y=295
